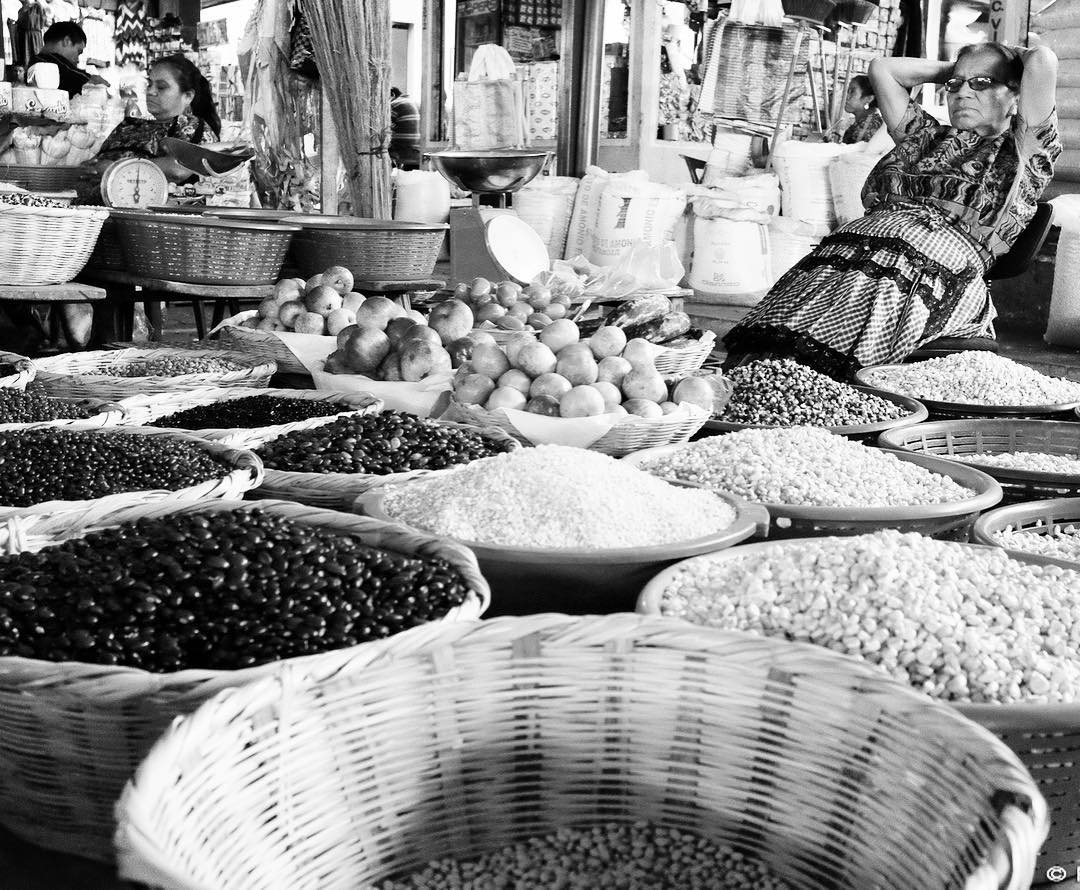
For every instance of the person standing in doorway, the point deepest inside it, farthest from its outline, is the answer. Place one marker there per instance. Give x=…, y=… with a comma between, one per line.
x=404, y=131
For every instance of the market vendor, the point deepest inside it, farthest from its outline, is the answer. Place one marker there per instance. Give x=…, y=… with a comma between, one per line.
x=941, y=207
x=861, y=104
x=63, y=43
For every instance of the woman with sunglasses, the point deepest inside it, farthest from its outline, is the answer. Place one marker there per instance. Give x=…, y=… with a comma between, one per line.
x=941, y=207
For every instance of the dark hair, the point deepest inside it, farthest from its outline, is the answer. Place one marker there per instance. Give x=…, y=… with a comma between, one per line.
x=394, y=92
x=188, y=77
x=1011, y=67
x=862, y=83
x=57, y=32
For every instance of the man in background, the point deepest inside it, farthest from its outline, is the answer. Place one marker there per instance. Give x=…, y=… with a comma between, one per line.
x=64, y=43
x=404, y=131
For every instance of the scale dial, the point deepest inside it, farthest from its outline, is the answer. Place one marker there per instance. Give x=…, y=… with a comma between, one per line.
x=134, y=182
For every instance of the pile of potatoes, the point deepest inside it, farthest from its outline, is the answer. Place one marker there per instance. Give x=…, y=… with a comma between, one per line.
x=324, y=304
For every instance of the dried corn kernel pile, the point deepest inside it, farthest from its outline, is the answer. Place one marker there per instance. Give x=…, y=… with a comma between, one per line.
x=805, y=466
x=976, y=378
x=1033, y=461
x=1061, y=541
x=557, y=497
x=629, y=857
x=960, y=623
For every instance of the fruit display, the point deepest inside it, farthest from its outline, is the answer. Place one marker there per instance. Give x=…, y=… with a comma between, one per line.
x=510, y=307
x=387, y=342
x=379, y=444
x=559, y=374
x=51, y=464
x=17, y=406
x=219, y=590
x=324, y=304
x=248, y=412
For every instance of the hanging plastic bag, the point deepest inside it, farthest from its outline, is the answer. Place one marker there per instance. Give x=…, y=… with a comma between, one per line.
x=655, y=267
x=489, y=109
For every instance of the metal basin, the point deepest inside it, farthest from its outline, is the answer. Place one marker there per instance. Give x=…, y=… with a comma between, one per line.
x=504, y=170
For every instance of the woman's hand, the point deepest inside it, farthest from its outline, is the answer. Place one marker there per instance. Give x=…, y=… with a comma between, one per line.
x=893, y=79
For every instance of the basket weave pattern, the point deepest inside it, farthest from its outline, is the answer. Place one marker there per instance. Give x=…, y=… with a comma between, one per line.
x=46, y=245
x=680, y=362
x=25, y=371
x=262, y=345
x=383, y=254
x=71, y=734
x=107, y=253
x=79, y=375
x=452, y=744
x=42, y=177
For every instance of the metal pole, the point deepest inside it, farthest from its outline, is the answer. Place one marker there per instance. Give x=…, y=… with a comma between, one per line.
x=592, y=65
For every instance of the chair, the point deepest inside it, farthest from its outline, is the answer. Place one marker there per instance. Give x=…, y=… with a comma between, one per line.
x=1016, y=262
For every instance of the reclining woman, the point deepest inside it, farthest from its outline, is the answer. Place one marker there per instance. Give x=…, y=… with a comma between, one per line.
x=941, y=207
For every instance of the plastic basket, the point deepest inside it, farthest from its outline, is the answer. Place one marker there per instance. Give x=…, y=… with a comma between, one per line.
x=202, y=249
x=952, y=521
x=965, y=440
x=42, y=177
x=485, y=734
x=877, y=376
x=24, y=371
x=86, y=374
x=146, y=409
x=46, y=245
x=71, y=734
x=1046, y=738
x=1039, y=518
x=245, y=472
x=685, y=360
x=863, y=432
x=373, y=249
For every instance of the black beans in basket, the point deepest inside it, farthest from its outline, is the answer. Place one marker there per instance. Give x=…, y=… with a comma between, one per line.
x=26, y=407
x=170, y=366
x=217, y=590
x=39, y=465
x=249, y=412
x=379, y=444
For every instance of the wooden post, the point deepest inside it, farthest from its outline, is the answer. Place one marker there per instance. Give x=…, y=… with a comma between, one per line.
x=329, y=156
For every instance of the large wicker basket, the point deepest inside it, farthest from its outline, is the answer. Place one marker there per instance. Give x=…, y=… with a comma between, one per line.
x=146, y=409
x=245, y=472
x=102, y=413
x=1046, y=738
x=71, y=734
x=43, y=177
x=268, y=346
x=339, y=491
x=1038, y=518
x=108, y=255
x=86, y=374
x=202, y=249
x=25, y=371
x=375, y=249
x=46, y=245
x=965, y=440
x=952, y=520
x=488, y=733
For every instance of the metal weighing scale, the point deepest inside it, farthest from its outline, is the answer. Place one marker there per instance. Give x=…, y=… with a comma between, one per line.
x=501, y=246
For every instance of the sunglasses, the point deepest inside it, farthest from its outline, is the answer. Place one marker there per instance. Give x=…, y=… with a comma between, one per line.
x=978, y=84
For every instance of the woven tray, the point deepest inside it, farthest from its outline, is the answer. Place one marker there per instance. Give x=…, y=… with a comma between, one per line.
x=339, y=491
x=25, y=371
x=46, y=245
x=963, y=439
x=627, y=437
x=492, y=732
x=103, y=414
x=1038, y=518
x=1046, y=738
x=267, y=346
x=71, y=734
x=145, y=409
x=959, y=410
x=947, y=521
x=80, y=375
x=687, y=359
x=863, y=432
x=246, y=472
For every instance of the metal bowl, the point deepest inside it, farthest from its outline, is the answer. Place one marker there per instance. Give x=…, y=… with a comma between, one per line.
x=494, y=172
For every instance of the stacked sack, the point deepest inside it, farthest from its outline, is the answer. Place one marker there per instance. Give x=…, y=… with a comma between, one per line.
x=1059, y=28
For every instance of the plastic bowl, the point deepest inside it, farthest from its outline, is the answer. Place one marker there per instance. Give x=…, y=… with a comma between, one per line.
x=583, y=582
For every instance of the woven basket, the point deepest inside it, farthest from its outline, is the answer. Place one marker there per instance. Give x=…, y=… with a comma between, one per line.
x=108, y=255
x=145, y=409
x=687, y=359
x=965, y=440
x=245, y=473
x=951, y=521
x=339, y=491
x=202, y=249
x=864, y=432
x=79, y=375
x=877, y=377
x=485, y=734
x=102, y=414
x=71, y=734
x=267, y=346
x=25, y=371
x=1046, y=738
x=46, y=245
x=41, y=177
x=1039, y=518
x=379, y=249
x=626, y=437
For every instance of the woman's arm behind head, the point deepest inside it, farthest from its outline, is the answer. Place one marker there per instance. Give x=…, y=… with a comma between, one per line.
x=1038, y=84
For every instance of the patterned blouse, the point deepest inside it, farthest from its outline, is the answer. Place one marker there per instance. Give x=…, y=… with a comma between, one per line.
x=986, y=187
x=137, y=137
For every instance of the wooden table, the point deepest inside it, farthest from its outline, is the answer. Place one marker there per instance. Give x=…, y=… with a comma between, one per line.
x=75, y=302
x=399, y=290
x=124, y=288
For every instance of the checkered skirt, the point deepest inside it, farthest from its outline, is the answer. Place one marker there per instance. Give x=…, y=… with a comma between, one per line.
x=872, y=292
